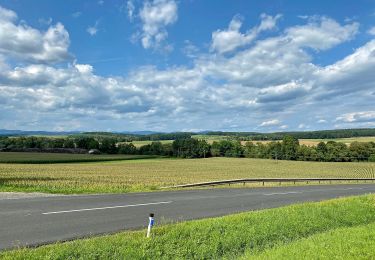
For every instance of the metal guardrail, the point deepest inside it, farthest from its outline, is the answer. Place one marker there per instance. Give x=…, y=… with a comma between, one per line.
x=264, y=180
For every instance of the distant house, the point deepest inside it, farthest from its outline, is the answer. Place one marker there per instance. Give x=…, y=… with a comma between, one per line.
x=94, y=151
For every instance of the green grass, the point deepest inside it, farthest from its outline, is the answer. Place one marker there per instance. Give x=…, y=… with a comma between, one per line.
x=41, y=158
x=342, y=243
x=251, y=233
x=152, y=174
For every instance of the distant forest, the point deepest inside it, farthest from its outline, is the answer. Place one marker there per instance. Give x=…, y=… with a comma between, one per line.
x=321, y=134
x=241, y=136
x=186, y=147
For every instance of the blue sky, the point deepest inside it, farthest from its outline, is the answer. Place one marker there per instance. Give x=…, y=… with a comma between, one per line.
x=187, y=65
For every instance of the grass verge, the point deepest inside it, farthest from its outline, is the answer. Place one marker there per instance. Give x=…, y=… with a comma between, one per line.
x=224, y=237
x=342, y=243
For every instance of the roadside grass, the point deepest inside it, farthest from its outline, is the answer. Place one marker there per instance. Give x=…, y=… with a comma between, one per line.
x=45, y=158
x=343, y=243
x=152, y=174
x=229, y=237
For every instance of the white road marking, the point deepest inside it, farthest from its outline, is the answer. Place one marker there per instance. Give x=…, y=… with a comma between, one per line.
x=112, y=207
x=281, y=193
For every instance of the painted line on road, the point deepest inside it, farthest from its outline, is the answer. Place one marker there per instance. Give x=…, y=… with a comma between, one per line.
x=281, y=193
x=112, y=207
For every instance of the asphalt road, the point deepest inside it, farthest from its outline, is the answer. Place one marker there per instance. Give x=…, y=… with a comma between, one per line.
x=36, y=221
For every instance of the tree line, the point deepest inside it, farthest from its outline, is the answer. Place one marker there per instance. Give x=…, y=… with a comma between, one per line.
x=320, y=134
x=287, y=149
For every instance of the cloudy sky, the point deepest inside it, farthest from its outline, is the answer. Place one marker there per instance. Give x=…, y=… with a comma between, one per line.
x=187, y=65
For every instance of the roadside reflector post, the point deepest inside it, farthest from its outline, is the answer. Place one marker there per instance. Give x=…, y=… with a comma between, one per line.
x=150, y=224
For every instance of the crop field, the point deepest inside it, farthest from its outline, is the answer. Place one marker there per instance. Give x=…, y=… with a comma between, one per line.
x=334, y=229
x=341, y=140
x=152, y=174
x=314, y=142
x=141, y=143
x=16, y=157
x=309, y=142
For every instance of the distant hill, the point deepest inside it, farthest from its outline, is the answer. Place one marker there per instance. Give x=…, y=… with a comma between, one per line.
x=24, y=133
x=151, y=135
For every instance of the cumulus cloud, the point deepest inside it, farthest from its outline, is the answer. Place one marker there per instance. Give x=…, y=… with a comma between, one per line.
x=273, y=122
x=363, y=116
x=155, y=17
x=26, y=43
x=224, y=41
x=352, y=74
x=322, y=33
x=284, y=92
x=274, y=78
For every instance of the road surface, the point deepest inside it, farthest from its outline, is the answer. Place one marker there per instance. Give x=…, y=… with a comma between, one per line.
x=37, y=221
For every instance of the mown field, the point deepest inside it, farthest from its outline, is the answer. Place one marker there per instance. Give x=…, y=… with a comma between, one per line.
x=334, y=229
x=17, y=157
x=152, y=174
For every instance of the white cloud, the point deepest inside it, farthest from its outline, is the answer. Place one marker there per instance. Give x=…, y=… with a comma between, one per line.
x=228, y=40
x=76, y=14
x=155, y=17
x=7, y=15
x=363, y=116
x=284, y=92
x=190, y=50
x=371, y=31
x=268, y=22
x=352, y=74
x=273, y=122
x=283, y=127
x=130, y=9
x=45, y=21
x=93, y=30
x=275, y=78
x=322, y=33
x=26, y=43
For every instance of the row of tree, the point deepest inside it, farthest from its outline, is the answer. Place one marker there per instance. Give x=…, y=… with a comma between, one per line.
x=105, y=145
x=320, y=134
x=287, y=149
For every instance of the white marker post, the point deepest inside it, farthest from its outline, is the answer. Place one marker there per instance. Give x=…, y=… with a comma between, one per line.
x=150, y=224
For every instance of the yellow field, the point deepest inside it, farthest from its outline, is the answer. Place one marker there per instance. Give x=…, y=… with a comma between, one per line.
x=309, y=142
x=347, y=141
x=141, y=143
x=314, y=142
x=151, y=174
